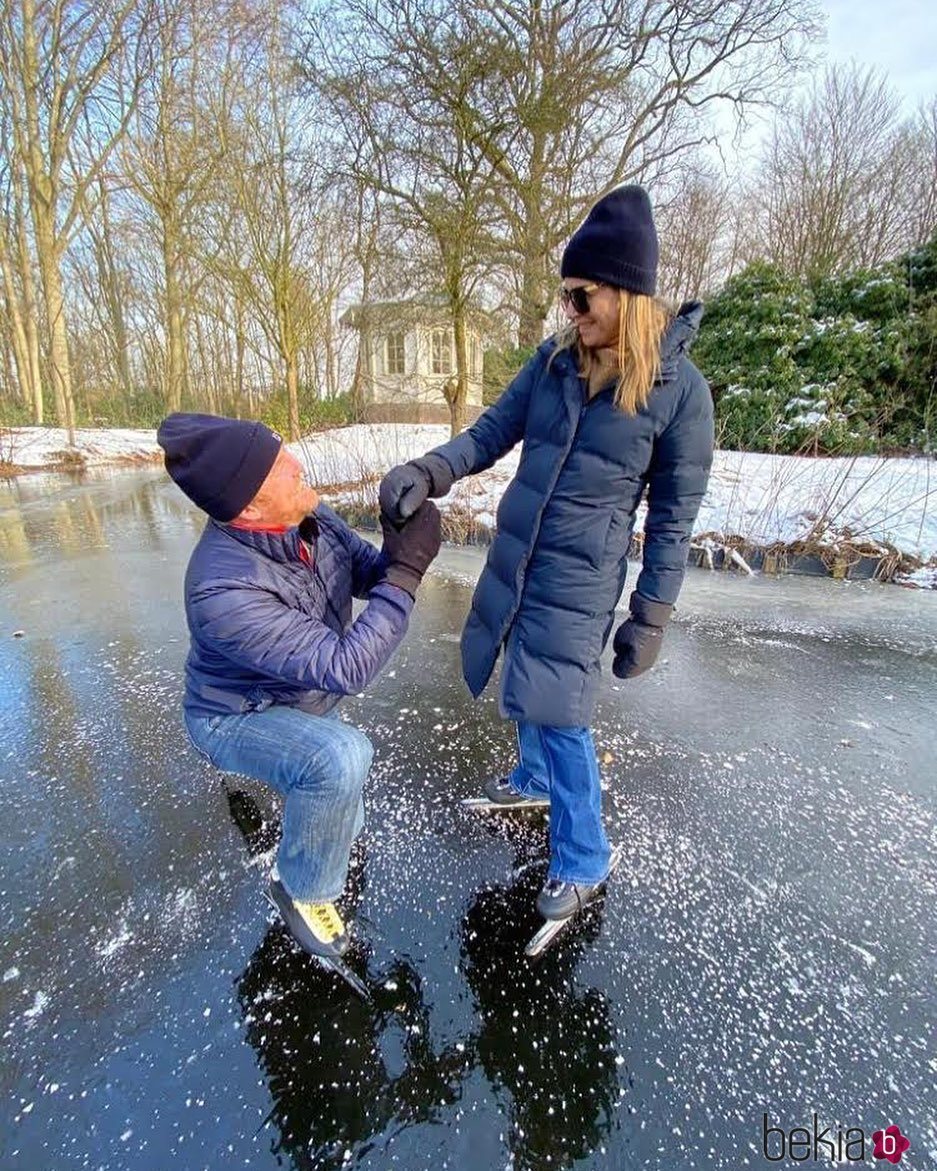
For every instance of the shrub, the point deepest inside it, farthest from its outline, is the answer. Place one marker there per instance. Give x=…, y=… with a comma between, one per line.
x=314, y=414
x=500, y=367
x=847, y=364
x=14, y=413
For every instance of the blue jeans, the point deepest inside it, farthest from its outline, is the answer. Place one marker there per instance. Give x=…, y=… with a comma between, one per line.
x=560, y=763
x=319, y=765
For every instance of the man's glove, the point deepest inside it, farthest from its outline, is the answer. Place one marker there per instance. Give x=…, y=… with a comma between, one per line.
x=638, y=639
x=410, y=549
x=406, y=486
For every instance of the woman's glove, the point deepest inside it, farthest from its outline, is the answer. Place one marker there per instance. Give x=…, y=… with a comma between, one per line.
x=410, y=549
x=406, y=486
x=637, y=640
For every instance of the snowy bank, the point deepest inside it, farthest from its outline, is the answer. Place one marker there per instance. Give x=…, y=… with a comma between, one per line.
x=882, y=508
x=31, y=449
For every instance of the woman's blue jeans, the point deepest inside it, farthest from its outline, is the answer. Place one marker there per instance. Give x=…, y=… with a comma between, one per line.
x=561, y=764
x=319, y=765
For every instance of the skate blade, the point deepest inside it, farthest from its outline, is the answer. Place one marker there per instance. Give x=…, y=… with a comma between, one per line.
x=552, y=928
x=341, y=969
x=336, y=967
x=479, y=804
x=485, y=805
x=546, y=935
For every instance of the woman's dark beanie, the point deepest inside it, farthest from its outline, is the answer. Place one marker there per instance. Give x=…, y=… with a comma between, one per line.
x=617, y=244
x=218, y=463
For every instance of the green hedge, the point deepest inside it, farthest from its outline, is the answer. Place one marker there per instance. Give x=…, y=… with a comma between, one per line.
x=145, y=409
x=500, y=367
x=314, y=414
x=844, y=365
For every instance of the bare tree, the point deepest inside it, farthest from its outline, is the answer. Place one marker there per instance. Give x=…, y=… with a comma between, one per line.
x=382, y=268
x=595, y=95
x=830, y=191
x=174, y=153
x=99, y=272
x=367, y=222
x=263, y=247
x=332, y=250
x=695, y=230
x=921, y=192
x=70, y=82
x=403, y=80
x=19, y=293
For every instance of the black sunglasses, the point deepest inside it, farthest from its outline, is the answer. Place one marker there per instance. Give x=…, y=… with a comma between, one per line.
x=578, y=297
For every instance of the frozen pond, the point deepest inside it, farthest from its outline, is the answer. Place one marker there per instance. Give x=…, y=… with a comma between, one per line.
x=769, y=945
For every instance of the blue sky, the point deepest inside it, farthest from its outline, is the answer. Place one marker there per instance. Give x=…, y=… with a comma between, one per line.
x=897, y=36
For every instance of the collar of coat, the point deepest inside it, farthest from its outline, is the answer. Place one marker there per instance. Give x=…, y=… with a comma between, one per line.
x=278, y=546
x=679, y=336
x=677, y=339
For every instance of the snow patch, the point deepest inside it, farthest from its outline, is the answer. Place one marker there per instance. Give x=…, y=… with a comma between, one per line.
x=113, y=945
x=43, y=447
x=39, y=1006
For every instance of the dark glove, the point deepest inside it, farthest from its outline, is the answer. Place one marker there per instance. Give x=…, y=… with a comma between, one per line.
x=410, y=548
x=638, y=639
x=406, y=486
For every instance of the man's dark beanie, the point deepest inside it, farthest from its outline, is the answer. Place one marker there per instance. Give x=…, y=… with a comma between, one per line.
x=617, y=244
x=218, y=463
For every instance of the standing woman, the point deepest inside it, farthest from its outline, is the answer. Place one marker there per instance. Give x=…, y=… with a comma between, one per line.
x=608, y=407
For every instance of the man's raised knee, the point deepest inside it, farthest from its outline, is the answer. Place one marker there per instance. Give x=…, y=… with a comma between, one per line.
x=343, y=761
x=360, y=751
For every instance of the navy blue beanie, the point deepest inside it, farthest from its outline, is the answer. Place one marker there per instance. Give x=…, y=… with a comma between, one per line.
x=218, y=463
x=617, y=244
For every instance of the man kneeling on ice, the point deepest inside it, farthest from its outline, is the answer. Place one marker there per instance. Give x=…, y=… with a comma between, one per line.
x=268, y=598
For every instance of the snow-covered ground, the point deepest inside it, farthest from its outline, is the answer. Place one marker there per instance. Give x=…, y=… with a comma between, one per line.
x=874, y=503
x=42, y=448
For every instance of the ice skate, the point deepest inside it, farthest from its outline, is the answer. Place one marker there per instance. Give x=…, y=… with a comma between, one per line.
x=500, y=796
x=319, y=931
x=561, y=903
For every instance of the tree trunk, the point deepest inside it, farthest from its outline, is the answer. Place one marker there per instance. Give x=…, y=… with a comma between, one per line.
x=31, y=312
x=532, y=311
x=288, y=345
x=534, y=300
x=331, y=366
x=17, y=348
x=292, y=394
x=19, y=343
x=61, y=369
x=43, y=197
x=122, y=345
x=55, y=316
x=357, y=384
x=113, y=300
x=30, y=305
x=12, y=383
x=175, y=341
x=458, y=396
x=368, y=226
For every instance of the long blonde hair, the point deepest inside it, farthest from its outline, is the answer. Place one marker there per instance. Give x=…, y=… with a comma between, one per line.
x=642, y=321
